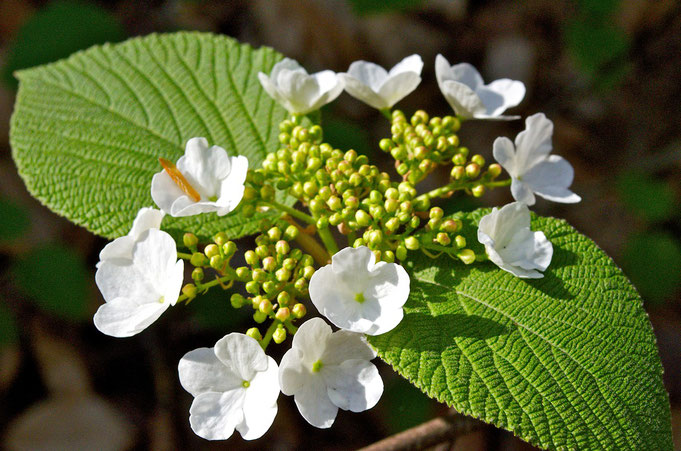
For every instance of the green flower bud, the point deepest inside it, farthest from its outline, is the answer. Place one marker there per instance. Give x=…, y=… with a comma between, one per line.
x=252, y=287
x=317, y=206
x=283, y=298
x=300, y=285
x=217, y=262
x=190, y=240
x=282, y=274
x=197, y=274
x=289, y=264
x=211, y=250
x=478, y=190
x=253, y=332
x=421, y=152
x=299, y=310
x=494, y=170
x=451, y=225
x=304, y=260
x=392, y=224
x=189, y=290
x=291, y=233
x=269, y=286
x=220, y=238
x=401, y=252
x=237, y=300
x=403, y=217
x=316, y=133
x=308, y=272
x=325, y=193
x=402, y=169
x=375, y=238
x=335, y=219
x=351, y=202
x=457, y=172
x=399, y=153
x=259, y=317
x=251, y=258
x=412, y=243
x=388, y=256
x=436, y=213
x=243, y=273
x=419, y=117
x=313, y=164
x=269, y=264
x=267, y=192
x=334, y=203
x=467, y=256
x=282, y=247
x=284, y=138
x=460, y=241
x=359, y=242
x=355, y=179
x=322, y=222
x=434, y=224
x=198, y=259
x=478, y=159
x=262, y=251
x=363, y=218
x=385, y=144
x=229, y=248
x=453, y=141
x=443, y=239
x=296, y=190
x=255, y=302
x=414, y=222
x=283, y=313
x=391, y=205
x=310, y=188
x=376, y=212
x=259, y=275
x=426, y=165
x=279, y=335
x=265, y=306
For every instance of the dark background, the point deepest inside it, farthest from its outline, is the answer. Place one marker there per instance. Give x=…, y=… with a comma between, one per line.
x=608, y=73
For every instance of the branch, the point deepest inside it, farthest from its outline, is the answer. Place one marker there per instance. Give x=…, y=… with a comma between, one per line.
x=431, y=433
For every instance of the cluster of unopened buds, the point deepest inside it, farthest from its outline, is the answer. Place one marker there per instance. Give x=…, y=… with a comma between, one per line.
x=360, y=289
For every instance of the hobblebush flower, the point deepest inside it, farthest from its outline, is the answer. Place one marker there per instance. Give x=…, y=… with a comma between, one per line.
x=296, y=90
x=137, y=291
x=235, y=386
x=358, y=294
x=379, y=88
x=205, y=179
x=510, y=243
x=121, y=248
x=532, y=169
x=470, y=97
x=325, y=371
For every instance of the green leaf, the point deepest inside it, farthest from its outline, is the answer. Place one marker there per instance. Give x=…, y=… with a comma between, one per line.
x=568, y=361
x=58, y=30
x=87, y=131
x=56, y=278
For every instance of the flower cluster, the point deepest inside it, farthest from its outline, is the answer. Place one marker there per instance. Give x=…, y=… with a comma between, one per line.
x=340, y=195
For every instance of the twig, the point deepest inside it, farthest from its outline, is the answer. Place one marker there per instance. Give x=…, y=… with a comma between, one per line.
x=431, y=433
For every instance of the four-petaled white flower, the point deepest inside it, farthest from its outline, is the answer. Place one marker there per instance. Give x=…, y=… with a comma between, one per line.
x=235, y=386
x=206, y=179
x=510, y=243
x=532, y=169
x=297, y=91
x=470, y=97
x=379, y=88
x=358, y=294
x=121, y=247
x=138, y=290
x=325, y=371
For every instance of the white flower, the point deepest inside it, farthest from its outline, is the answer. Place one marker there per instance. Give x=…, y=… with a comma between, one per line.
x=510, y=243
x=470, y=97
x=532, y=169
x=297, y=91
x=206, y=179
x=235, y=386
x=358, y=294
x=121, y=248
x=378, y=88
x=138, y=290
x=325, y=371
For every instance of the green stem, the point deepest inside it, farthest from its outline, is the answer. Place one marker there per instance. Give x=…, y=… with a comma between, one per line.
x=386, y=112
x=268, y=335
x=457, y=185
x=327, y=239
x=291, y=211
x=290, y=327
x=184, y=255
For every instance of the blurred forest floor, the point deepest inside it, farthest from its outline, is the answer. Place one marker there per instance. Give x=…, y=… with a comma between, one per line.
x=607, y=72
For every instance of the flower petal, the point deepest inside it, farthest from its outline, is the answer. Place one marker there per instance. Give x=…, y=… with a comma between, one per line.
x=350, y=262
x=119, y=249
x=521, y=192
x=270, y=88
x=201, y=371
x=292, y=373
x=398, y=87
x=463, y=100
x=504, y=154
x=410, y=64
x=310, y=340
x=533, y=144
x=164, y=191
x=147, y=218
x=550, y=179
x=155, y=254
x=125, y=317
x=362, y=92
x=260, y=403
x=344, y=345
x=214, y=416
x=512, y=93
x=354, y=385
x=368, y=74
x=300, y=90
x=115, y=280
x=257, y=422
x=242, y=354
x=465, y=73
x=314, y=404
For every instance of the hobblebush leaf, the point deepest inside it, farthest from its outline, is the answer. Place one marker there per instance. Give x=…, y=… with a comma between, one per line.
x=87, y=131
x=568, y=361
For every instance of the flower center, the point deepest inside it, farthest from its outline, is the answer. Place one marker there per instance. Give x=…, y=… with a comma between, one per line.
x=317, y=366
x=245, y=384
x=179, y=179
x=213, y=198
x=359, y=297
x=162, y=299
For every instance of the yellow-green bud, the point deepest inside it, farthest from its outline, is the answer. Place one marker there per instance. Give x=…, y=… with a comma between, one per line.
x=467, y=256
x=279, y=335
x=265, y=306
x=323, y=222
x=443, y=239
x=249, y=193
x=436, y=213
x=478, y=190
x=308, y=272
x=269, y=263
x=190, y=240
x=274, y=233
x=243, y=273
x=269, y=286
x=363, y=218
x=376, y=211
x=325, y=193
x=494, y=170
x=334, y=203
x=217, y=262
x=253, y=332
x=259, y=275
x=299, y=310
x=478, y=159
x=460, y=241
x=464, y=151
x=457, y=172
x=414, y=222
x=267, y=192
x=300, y=285
x=237, y=300
x=198, y=259
x=211, y=250
x=282, y=274
x=388, y=256
x=251, y=258
x=451, y=225
x=259, y=317
x=459, y=159
x=282, y=247
x=189, y=290
x=229, y=248
x=252, y=287
x=291, y=233
x=289, y=264
x=197, y=274
x=375, y=237
x=220, y=238
x=392, y=224
x=401, y=252
x=262, y=251
x=283, y=313
x=412, y=243
x=472, y=170
x=283, y=298
x=359, y=242
x=391, y=205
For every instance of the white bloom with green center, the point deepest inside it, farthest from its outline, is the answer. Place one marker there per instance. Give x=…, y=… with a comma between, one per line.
x=357, y=294
x=470, y=97
x=379, y=88
x=532, y=169
x=510, y=243
x=326, y=370
x=121, y=248
x=296, y=90
x=215, y=182
x=235, y=386
x=138, y=290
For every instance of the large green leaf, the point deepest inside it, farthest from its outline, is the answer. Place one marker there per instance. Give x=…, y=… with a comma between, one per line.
x=87, y=131
x=568, y=361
